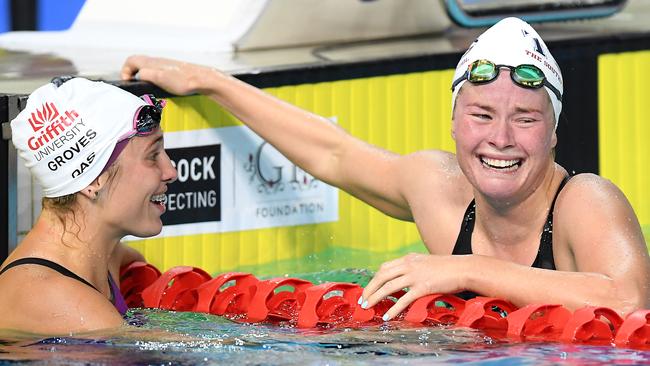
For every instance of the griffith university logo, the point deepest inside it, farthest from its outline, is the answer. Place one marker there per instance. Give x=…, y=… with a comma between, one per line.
x=40, y=117
x=48, y=124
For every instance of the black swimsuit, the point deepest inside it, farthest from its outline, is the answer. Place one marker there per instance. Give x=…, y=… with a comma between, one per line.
x=544, y=257
x=64, y=271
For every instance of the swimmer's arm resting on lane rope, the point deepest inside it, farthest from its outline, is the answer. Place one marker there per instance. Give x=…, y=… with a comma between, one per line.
x=599, y=250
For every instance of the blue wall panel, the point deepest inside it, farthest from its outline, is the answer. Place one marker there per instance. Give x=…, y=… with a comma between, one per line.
x=57, y=14
x=5, y=24
x=51, y=14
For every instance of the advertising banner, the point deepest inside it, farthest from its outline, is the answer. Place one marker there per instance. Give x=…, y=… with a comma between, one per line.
x=229, y=179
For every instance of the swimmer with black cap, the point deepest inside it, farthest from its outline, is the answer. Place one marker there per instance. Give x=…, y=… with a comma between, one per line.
x=97, y=152
x=499, y=217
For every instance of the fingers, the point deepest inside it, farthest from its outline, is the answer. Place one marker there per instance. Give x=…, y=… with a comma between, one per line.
x=132, y=66
x=387, y=289
x=139, y=64
x=402, y=273
x=392, y=287
x=390, y=270
x=401, y=304
x=172, y=76
x=151, y=75
x=387, y=272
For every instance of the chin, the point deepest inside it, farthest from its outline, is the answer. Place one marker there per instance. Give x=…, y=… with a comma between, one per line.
x=145, y=232
x=497, y=190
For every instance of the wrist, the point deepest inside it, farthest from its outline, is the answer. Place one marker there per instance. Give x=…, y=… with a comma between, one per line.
x=208, y=81
x=467, y=272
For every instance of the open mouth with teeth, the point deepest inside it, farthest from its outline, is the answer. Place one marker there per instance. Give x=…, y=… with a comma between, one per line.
x=159, y=199
x=501, y=165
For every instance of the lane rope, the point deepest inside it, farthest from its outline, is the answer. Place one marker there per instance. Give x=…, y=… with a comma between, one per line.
x=242, y=297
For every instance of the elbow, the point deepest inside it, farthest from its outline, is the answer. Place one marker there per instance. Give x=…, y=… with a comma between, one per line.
x=632, y=304
x=624, y=297
x=630, y=300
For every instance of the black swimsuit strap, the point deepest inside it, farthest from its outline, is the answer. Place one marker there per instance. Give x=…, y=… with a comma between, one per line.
x=545, y=257
x=47, y=263
x=464, y=241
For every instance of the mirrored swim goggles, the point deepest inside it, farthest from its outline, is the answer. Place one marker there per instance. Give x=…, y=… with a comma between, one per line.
x=146, y=121
x=526, y=76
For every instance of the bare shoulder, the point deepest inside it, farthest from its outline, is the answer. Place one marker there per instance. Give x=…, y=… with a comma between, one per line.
x=592, y=191
x=595, y=223
x=43, y=302
x=438, y=194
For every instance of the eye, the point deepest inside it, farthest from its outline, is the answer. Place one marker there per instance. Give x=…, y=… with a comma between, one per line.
x=154, y=155
x=482, y=116
x=526, y=120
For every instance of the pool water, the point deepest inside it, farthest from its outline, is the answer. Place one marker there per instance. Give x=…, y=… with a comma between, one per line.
x=170, y=338
x=177, y=338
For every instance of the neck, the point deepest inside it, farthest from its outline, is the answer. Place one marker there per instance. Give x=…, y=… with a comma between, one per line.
x=77, y=243
x=510, y=223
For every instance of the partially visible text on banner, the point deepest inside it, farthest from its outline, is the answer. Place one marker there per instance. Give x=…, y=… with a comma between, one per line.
x=229, y=179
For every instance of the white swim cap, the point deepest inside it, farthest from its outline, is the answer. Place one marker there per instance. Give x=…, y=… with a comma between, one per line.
x=513, y=42
x=67, y=134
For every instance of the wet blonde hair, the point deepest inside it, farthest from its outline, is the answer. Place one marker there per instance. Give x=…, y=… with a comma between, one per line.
x=65, y=206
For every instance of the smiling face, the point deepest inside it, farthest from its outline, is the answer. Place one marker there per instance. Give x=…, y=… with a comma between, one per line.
x=134, y=200
x=504, y=137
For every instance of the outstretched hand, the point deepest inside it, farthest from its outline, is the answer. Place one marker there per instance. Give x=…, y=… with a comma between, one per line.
x=422, y=274
x=176, y=77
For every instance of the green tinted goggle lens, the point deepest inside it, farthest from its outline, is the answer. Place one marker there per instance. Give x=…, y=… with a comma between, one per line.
x=482, y=72
x=527, y=76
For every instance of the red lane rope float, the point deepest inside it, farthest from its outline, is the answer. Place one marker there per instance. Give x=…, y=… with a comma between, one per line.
x=538, y=322
x=134, y=278
x=243, y=297
x=425, y=309
x=487, y=313
x=173, y=290
x=593, y=325
x=234, y=300
x=635, y=330
x=283, y=305
x=319, y=309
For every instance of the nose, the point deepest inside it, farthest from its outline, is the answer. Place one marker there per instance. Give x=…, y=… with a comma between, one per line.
x=169, y=173
x=502, y=135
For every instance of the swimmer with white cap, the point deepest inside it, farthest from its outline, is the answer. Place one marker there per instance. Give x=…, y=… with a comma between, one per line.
x=499, y=217
x=97, y=152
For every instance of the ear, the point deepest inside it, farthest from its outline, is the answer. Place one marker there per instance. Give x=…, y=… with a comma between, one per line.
x=453, y=129
x=554, y=140
x=92, y=190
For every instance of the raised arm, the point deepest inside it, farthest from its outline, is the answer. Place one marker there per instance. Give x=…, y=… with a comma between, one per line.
x=312, y=142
